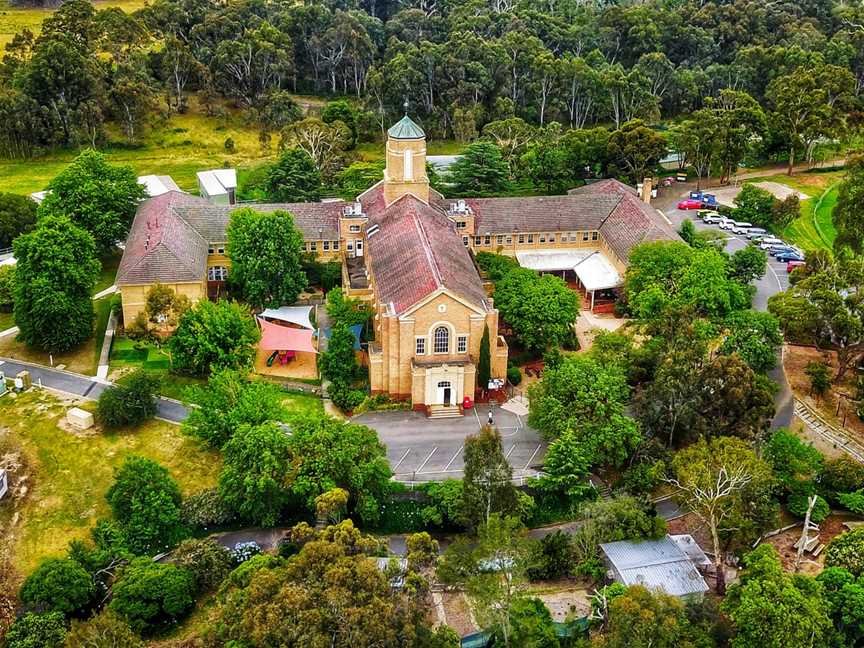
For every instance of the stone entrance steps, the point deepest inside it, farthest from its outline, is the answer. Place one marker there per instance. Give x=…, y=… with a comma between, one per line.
x=444, y=411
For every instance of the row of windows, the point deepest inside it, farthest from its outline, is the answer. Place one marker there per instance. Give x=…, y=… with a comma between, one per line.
x=541, y=237
x=441, y=342
x=216, y=248
x=326, y=246
x=217, y=273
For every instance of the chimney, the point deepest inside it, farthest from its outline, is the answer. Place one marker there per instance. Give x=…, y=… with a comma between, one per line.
x=645, y=191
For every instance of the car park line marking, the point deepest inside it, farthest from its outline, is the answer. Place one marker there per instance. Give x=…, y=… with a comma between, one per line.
x=534, y=454
x=420, y=467
x=401, y=460
x=458, y=452
x=510, y=451
x=477, y=416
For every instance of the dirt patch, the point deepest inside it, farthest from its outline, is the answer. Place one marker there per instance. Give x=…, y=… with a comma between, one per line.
x=781, y=191
x=458, y=613
x=784, y=543
x=569, y=603
x=836, y=406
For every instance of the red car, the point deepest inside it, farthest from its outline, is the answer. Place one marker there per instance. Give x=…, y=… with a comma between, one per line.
x=690, y=203
x=793, y=264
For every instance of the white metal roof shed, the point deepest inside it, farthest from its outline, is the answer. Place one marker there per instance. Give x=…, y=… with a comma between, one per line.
x=216, y=182
x=299, y=315
x=156, y=185
x=655, y=564
x=596, y=272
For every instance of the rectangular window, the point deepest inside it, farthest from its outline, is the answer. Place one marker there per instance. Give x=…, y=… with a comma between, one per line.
x=462, y=344
x=509, y=240
x=542, y=238
x=487, y=240
x=353, y=228
x=530, y=238
x=335, y=245
x=220, y=250
x=552, y=238
x=500, y=240
x=421, y=346
x=595, y=236
x=217, y=273
x=326, y=246
x=211, y=250
x=460, y=224
x=477, y=240
x=313, y=246
x=350, y=247
x=521, y=238
x=584, y=236
x=465, y=241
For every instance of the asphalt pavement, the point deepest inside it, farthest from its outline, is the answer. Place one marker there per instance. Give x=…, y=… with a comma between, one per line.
x=775, y=280
x=84, y=386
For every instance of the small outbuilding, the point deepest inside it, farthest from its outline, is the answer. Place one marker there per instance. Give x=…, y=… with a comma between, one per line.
x=219, y=186
x=79, y=418
x=669, y=564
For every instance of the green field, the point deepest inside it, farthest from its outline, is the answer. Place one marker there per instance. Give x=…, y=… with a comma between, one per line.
x=68, y=474
x=813, y=229
x=13, y=19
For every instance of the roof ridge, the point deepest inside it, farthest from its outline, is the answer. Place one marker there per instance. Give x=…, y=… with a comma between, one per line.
x=427, y=247
x=612, y=211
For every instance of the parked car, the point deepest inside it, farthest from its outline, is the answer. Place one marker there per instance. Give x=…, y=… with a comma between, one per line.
x=787, y=257
x=704, y=213
x=768, y=241
x=741, y=228
x=690, y=203
x=714, y=219
x=727, y=224
x=794, y=264
x=774, y=250
x=757, y=231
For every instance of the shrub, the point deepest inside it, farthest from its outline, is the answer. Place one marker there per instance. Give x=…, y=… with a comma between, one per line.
x=847, y=551
x=495, y=265
x=129, y=403
x=553, y=557
x=145, y=501
x=422, y=550
x=37, y=631
x=59, y=585
x=514, y=375
x=7, y=288
x=151, y=596
x=842, y=475
x=445, y=505
x=244, y=551
x=344, y=397
x=243, y=573
x=206, y=509
x=798, y=502
x=105, y=630
x=853, y=501
x=207, y=560
x=820, y=379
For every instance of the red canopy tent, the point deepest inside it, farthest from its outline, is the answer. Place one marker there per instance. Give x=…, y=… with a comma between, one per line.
x=281, y=338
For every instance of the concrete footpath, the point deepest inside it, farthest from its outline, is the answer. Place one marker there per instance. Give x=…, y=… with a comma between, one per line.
x=88, y=387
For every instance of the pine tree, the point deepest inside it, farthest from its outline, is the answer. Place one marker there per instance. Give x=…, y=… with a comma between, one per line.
x=484, y=365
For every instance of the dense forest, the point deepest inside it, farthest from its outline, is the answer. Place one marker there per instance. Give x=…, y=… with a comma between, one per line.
x=459, y=64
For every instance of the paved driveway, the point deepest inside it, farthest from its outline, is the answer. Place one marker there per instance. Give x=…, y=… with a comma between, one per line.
x=775, y=280
x=422, y=449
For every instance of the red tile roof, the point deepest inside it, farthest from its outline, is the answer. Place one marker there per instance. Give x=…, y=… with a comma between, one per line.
x=415, y=252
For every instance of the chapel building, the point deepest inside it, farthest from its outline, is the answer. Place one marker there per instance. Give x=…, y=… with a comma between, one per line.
x=408, y=251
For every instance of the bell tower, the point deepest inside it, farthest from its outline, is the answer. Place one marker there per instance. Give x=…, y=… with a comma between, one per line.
x=405, y=172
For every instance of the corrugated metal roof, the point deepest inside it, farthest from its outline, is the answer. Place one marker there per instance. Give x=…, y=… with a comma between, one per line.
x=655, y=564
x=217, y=182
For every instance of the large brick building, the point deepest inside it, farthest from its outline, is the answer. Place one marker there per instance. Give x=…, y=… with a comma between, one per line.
x=407, y=250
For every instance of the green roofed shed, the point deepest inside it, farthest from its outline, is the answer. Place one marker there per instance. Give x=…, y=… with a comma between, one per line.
x=405, y=128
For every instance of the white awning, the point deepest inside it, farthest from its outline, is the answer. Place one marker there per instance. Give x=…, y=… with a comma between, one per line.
x=298, y=315
x=596, y=272
x=551, y=260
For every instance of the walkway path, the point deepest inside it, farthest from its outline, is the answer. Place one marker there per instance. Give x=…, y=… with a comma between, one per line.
x=88, y=387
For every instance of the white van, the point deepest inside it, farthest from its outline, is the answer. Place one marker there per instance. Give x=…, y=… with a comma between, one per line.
x=741, y=228
x=756, y=232
x=768, y=241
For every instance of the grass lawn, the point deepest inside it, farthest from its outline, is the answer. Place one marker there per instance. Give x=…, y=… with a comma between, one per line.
x=14, y=19
x=6, y=321
x=108, y=273
x=128, y=355
x=68, y=474
x=813, y=229
x=82, y=360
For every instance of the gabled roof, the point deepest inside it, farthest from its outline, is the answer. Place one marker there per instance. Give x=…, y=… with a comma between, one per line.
x=216, y=182
x=161, y=246
x=414, y=252
x=405, y=128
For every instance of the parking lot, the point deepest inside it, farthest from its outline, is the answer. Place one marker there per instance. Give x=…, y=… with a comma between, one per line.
x=776, y=279
x=423, y=449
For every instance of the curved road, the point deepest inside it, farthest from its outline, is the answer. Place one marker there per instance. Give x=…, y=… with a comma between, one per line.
x=775, y=280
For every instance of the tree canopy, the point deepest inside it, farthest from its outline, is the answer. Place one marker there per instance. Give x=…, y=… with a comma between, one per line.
x=17, y=216
x=265, y=250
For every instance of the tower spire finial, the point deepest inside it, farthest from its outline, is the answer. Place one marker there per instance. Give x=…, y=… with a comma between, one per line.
x=405, y=105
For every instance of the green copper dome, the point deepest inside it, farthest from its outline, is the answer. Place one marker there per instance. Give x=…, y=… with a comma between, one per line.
x=405, y=128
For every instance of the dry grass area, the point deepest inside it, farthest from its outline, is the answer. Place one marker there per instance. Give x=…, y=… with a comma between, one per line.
x=59, y=478
x=785, y=541
x=834, y=407
x=82, y=360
